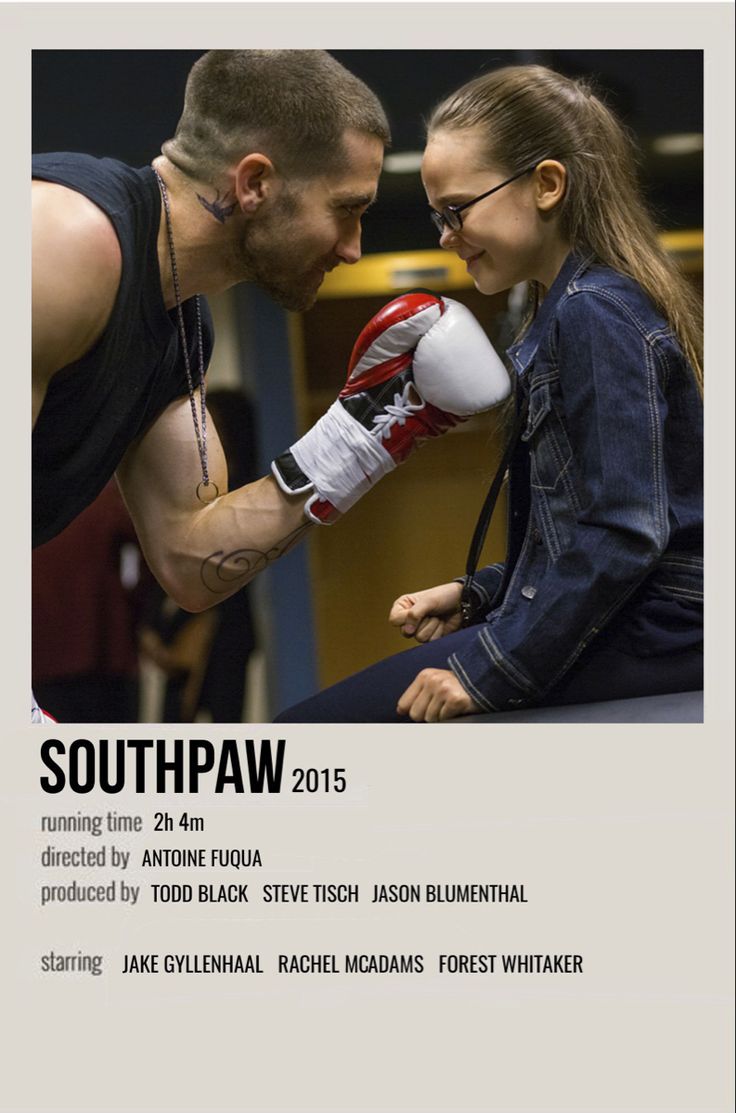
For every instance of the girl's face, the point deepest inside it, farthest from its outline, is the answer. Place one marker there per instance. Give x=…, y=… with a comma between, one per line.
x=511, y=236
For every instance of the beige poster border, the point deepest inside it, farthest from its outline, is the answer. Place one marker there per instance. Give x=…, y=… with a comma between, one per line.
x=684, y=771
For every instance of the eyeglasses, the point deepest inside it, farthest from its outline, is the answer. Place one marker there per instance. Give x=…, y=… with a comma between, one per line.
x=450, y=215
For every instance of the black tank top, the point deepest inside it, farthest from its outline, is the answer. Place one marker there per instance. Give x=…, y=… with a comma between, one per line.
x=94, y=408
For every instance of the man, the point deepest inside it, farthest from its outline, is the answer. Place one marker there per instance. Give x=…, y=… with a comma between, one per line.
x=275, y=160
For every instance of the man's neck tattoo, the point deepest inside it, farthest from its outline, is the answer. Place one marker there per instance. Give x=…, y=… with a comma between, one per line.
x=219, y=210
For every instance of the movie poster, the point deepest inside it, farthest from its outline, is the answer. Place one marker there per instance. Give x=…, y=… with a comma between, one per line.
x=201, y=915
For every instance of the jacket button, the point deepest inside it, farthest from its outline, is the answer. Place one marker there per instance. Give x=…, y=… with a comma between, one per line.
x=536, y=534
x=528, y=592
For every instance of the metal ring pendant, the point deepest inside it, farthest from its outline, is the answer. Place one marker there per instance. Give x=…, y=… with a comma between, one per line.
x=207, y=491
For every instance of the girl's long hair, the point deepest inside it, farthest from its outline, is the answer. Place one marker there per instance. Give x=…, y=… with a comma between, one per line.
x=529, y=113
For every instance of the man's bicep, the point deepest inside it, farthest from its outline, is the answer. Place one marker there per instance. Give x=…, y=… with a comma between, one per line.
x=161, y=471
x=202, y=552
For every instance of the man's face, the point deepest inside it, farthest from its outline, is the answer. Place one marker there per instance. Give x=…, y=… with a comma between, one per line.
x=291, y=246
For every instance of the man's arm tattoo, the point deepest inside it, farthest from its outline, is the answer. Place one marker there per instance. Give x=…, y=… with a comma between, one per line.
x=217, y=208
x=222, y=572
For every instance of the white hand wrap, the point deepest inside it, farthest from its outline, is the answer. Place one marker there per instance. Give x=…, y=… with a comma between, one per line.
x=346, y=457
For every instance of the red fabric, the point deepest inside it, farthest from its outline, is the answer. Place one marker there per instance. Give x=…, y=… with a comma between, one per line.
x=400, y=309
x=380, y=373
x=83, y=617
x=428, y=422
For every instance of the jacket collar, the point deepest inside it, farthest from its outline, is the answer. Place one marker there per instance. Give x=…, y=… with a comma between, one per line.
x=522, y=353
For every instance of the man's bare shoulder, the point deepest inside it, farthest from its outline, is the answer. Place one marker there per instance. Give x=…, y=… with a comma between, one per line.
x=76, y=274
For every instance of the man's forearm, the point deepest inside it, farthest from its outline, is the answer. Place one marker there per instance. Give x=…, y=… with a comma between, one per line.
x=203, y=555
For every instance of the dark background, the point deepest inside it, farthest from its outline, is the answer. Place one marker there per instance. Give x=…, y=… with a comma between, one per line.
x=125, y=103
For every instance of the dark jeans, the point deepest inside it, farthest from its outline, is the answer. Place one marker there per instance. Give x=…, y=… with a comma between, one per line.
x=602, y=672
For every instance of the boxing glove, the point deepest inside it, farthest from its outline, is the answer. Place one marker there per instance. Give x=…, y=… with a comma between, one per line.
x=37, y=714
x=420, y=366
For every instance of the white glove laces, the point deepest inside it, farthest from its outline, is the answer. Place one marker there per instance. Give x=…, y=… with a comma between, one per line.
x=401, y=408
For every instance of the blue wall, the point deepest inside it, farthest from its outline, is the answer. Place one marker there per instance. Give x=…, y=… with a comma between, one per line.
x=290, y=647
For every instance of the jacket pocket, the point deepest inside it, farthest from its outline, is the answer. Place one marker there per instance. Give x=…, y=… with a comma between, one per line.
x=549, y=447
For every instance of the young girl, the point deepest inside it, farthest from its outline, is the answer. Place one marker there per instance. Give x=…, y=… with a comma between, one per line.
x=531, y=179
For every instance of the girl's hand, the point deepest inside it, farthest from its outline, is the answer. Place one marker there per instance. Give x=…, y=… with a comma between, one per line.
x=435, y=696
x=428, y=615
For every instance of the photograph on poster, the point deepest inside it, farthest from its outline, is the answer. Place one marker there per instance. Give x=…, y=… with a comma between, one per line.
x=504, y=247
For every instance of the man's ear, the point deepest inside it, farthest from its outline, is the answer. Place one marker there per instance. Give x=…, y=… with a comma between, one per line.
x=551, y=183
x=253, y=179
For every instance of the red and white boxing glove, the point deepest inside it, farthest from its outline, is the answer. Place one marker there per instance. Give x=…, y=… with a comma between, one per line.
x=37, y=714
x=420, y=366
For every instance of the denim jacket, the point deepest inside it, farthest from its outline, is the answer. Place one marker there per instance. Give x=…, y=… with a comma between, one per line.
x=605, y=495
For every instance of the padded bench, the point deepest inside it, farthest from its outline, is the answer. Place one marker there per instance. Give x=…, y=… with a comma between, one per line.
x=679, y=707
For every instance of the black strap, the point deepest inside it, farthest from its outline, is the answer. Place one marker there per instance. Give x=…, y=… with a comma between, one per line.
x=468, y=606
